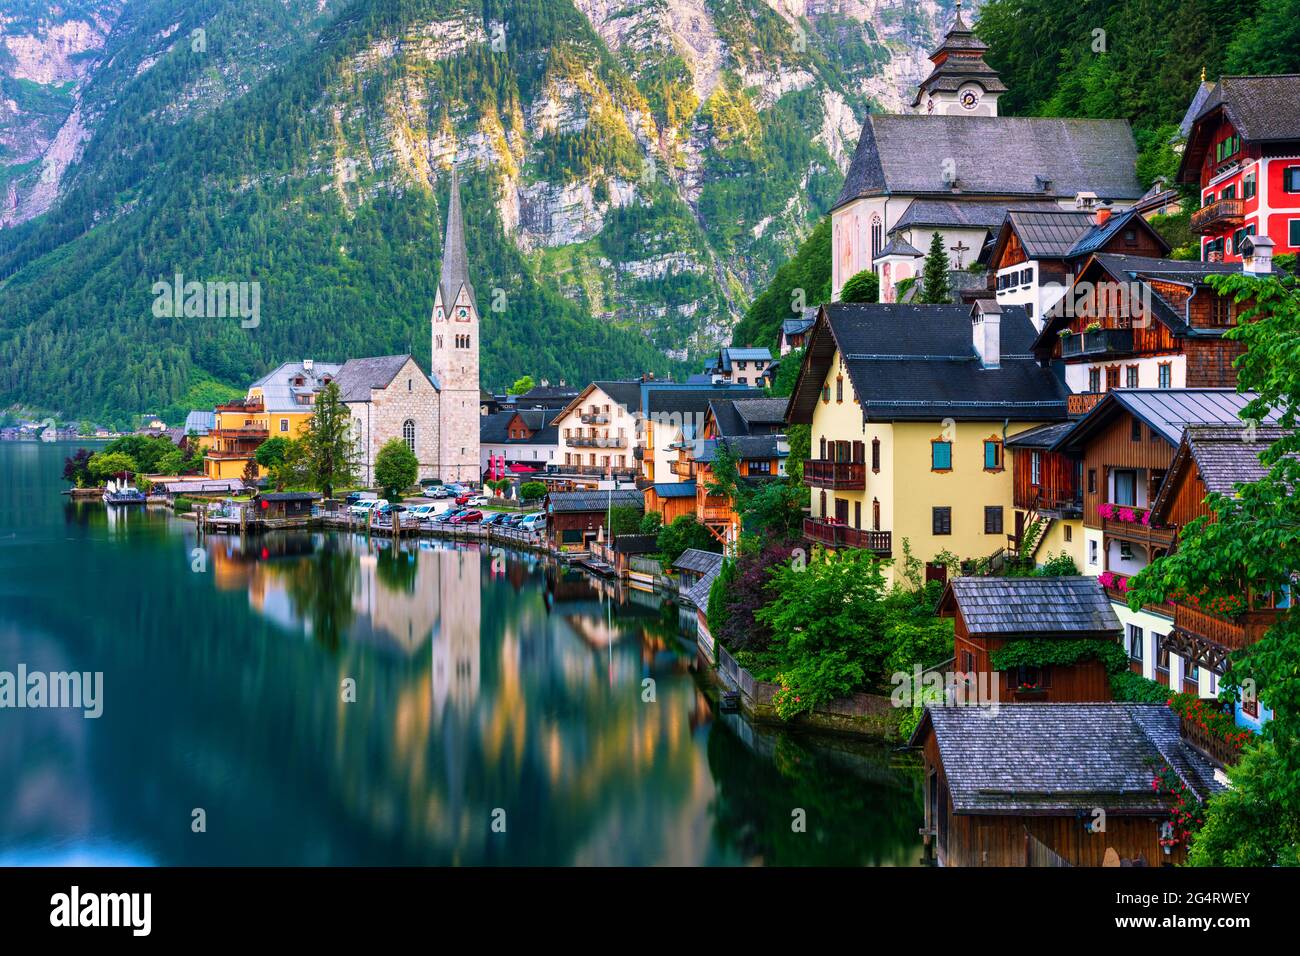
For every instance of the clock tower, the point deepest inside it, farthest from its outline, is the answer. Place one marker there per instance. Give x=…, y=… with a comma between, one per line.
x=454, y=364
x=960, y=82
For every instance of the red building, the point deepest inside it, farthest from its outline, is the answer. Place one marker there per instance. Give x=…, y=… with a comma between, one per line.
x=1243, y=151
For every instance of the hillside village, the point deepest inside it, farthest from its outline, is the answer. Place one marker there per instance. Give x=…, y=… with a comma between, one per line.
x=1023, y=411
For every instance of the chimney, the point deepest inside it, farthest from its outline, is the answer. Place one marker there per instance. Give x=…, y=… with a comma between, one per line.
x=307, y=364
x=1102, y=214
x=1256, y=255
x=1083, y=201
x=986, y=329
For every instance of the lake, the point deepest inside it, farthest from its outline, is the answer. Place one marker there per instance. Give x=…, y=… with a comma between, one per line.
x=324, y=699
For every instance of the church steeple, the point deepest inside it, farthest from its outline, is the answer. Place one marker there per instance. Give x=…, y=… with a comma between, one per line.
x=455, y=261
x=455, y=352
x=960, y=83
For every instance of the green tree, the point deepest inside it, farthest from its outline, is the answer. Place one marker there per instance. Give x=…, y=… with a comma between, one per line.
x=624, y=520
x=935, y=287
x=532, y=490
x=171, y=463
x=1253, y=546
x=862, y=287
x=330, y=456
x=522, y=384
x=651, y=522
x=685, y=532
x=272, y=452
x=111, y=464
x=787, y=374
x=396, y=468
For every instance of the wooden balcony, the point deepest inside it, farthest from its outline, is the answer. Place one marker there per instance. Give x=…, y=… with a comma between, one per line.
x=1232, y=633
x=1219, y=215
x=1220, y=751
x=682, y=469
x=842, y=536
x=1081, y=404
x=241, y=434
x=217, y=454
x=1149, y=536
x=249, y=407
x=1097, y=344
x=842, y=475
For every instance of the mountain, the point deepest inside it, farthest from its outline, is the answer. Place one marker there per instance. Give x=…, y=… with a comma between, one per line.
x=632, y=174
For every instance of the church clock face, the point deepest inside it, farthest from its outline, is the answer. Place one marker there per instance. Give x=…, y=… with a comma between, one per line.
x=462, y=314
x=969, y=99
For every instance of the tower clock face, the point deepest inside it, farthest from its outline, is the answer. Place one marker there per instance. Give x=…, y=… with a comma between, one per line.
x=969, y=99
x=462, y=314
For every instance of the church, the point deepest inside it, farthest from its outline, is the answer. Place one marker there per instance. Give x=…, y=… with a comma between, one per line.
x=955, y=166
x=437, y=415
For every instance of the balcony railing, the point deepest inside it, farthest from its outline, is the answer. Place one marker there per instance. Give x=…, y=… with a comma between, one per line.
x=682, y=469
x=222, y=455
x=1219, y=215
x=1151, y=536
x=845, y=475
x=594, y=418
x=249, y=406
x=241, y=434
x=1082, y=403
x=587, y=441
x=1097, y=343
x=1233, y=633
x=842, y=536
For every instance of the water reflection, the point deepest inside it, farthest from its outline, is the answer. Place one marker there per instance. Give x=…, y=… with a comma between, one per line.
x=483, y=681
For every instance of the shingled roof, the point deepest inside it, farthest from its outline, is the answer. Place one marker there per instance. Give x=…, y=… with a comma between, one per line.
x=699, y=561
x=992, y=156
x=1066, y=607
x=1262, y=109
x=918, y=362
x=954, y=214
x=1224, y=456
x=1167, y=411
x=576, y=502
x=1062, y=758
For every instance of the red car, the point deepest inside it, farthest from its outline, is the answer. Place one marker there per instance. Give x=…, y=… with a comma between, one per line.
x=464, y=499
x=468, y=517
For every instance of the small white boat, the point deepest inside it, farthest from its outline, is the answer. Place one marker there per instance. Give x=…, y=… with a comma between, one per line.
x=120, y=493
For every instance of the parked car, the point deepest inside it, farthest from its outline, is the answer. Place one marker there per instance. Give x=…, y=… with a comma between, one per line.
x=468, y=516
x=352, y=498
x=362, y=507
x=534, y=522
x=387, y=509
x=449, y=515
x=513, y=520
x=438, y=493
x=423, y=512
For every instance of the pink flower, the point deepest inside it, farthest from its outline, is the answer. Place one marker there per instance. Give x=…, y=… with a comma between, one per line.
x=1126, y=514
x=1146, y=518
x=1106, y=510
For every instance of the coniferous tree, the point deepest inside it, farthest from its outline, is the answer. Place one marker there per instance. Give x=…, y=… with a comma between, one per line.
x=330, y=452
x=935, y=287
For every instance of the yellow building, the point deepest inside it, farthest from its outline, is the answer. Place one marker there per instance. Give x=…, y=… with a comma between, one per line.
x=279, y=404
x=910, y=408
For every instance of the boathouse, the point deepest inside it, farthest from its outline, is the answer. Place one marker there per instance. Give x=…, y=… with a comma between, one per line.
x=282, y=504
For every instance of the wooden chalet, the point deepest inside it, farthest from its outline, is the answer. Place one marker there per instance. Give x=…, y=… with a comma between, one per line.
x=1216, y=459
x=1026, y=784
x=1127, y=446
x=1046, y=485
x=574, y=519
x=991, y=612
x=1136, y=322
x=283, y=504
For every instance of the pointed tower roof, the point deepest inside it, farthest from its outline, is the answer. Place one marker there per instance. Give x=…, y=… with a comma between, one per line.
x=958, y=60
x=455, y=260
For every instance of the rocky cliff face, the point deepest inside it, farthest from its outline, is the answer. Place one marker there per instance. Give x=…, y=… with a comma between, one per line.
x=652, y=161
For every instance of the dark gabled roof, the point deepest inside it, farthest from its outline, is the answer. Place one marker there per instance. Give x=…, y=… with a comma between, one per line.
x=1040, y=436
x=662, y=401
x=748, y=416
x=801, y=324
x=1069, y=234
x=1167, y=411
x=286, y=496
x=918, y=362
x=625, y=393
x=1127, y=270
x=1224, y=456
x=699, y=592
x=701, y=562
x=1009, y=156
x=957, y=214
x=1261, y=109
x=358, y=376
x=1066, y=607
x=674, y=489
x=1097, y=236
x=760, y=411
x=577, y=502
x=548, y=393
x=493, y=428
x=745, y=447
x=1062, y=758
x=636, y=543
x=898, y=246
x=1194, y=109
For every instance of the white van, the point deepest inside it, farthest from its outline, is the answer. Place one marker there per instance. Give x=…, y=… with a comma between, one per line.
x=364, y=506
x=534, y=522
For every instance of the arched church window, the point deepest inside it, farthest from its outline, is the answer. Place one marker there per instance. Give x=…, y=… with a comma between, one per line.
x=877, y=237
x=408, y=434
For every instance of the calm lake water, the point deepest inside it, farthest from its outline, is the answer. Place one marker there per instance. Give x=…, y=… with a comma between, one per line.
x=481, y=686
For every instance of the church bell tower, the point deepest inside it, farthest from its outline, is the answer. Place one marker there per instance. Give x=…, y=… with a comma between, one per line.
x=960, y=82
x=454, y=364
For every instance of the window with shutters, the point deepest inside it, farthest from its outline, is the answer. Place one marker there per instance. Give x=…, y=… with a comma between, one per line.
x=992, y=454
x=875, y=455
x=940, y=455
x=993, y=519
x=941, y=520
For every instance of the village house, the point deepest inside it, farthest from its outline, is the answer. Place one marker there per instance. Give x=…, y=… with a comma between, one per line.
x=1126, y=445
x=959, y=151
x=673, y=415
x=1213, y=459
x=598, y=432
x=575, y=519
x=390, y=397
x=1037, y=252
x=752, y=431
x=990, y=613
x=1059, y=784
x=794, y=331
x=518, y=441
x=1136, y=322
x=911, y=407
x=1047, y=493
x=739, y=366
x=279, y=404
x=1243, y=154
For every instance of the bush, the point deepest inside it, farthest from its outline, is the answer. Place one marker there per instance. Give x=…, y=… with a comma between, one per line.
x=532, y=490
x=685, y=533
x=1133, y=688
x=624, y=520
x=862, y=287
x=1057, y=566
x=651, y=522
